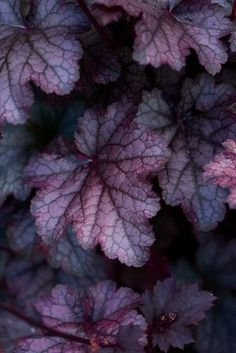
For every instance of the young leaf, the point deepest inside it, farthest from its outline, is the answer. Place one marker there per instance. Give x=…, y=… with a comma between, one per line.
x=168, y=29
x=108, y=200
x=43, y=49
x=99, y=318
x=195, y=129
x=99, y=64
x=222, y=170
x=171, y=311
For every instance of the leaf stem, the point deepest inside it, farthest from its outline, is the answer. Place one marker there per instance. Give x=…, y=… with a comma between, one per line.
x=233, y=13
x=49, y=331
x=7, y=250
x=95, y=23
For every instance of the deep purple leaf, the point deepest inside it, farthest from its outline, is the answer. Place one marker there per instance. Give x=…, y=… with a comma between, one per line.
x=195, y=129
x=99, y=63
x=173, y=310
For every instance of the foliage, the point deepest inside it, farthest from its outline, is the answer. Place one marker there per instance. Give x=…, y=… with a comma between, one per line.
x=118, y=128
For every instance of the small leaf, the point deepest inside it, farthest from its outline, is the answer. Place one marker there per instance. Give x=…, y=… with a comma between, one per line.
x=173, y=310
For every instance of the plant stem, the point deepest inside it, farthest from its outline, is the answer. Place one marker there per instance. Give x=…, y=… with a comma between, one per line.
x=49, y=331
x=233, y=13
x=95, y=23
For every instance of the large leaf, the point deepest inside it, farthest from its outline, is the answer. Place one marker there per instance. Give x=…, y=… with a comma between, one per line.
x=43, y=49
x=99, y=318
x=194, y=129
x=108, y=200
x=168, y=29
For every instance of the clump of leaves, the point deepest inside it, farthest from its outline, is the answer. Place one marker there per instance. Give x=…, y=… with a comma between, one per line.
x=117, y=146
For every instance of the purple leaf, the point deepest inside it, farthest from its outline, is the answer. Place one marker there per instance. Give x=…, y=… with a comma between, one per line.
x=172, y=311
x=99, y=64
x=222, y=170
x=99, y=317
x=44, y=50
x=195, y=129
x=108, y=200
x=130, y=84
x=168, y=29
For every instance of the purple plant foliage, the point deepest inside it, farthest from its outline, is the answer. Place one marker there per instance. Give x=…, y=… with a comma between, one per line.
x=171, y=310
x=221, y=171
x=168, y=29
x=194, y=130
x=107, y=197
x=117, y=167
x=97, y=318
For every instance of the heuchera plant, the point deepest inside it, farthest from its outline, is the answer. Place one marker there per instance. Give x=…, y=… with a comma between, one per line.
x=117, y=176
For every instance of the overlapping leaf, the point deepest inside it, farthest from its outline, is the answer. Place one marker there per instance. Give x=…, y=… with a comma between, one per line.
x=42, y=48
x=20, y=232
x=195, y=130
x=94, y=322
x=222, y=170
x=12, y=329
x=168, y=29
x=215, y=267
x=99, y=64
x=109, y=199
x=15, y=151
x=68, y=255
x=27, y=280
x=173, y=310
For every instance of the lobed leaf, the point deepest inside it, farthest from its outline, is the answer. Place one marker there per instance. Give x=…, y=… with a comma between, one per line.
x=222, y=170
x=43, y=49
x=173, y=310
x=105, y=194
x=168, y=30
x=194, y=129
